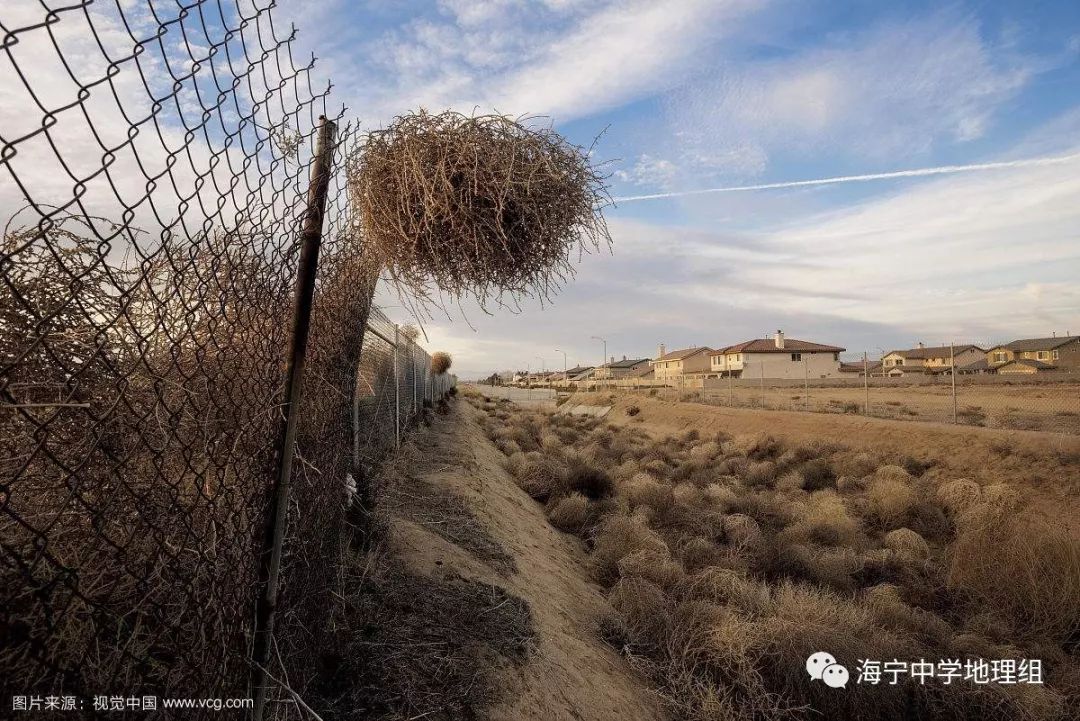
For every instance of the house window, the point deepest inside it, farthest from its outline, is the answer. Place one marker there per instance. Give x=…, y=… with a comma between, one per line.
x=1056, y=355
x=1043, y=355
x=835, y=357
x=999, y=357
x=796, y=357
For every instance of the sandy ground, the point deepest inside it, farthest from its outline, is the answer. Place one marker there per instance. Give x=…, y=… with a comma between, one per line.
x=1049, y=407
x=572, y=674
x=525, y=397
x=1046, y=464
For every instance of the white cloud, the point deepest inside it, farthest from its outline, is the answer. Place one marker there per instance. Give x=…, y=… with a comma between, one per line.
x=894, y=91
x=972, y=258
x=563, y=58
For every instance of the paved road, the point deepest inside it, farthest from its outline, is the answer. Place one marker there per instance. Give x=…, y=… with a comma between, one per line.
x=534, y=397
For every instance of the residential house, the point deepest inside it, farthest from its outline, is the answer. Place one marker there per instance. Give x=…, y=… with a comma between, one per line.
x=615, y=370
x=679, y=364
x=777, y=357
x=1023, y=366
x=930, y=359
x=873, y=368
x=1053, y=353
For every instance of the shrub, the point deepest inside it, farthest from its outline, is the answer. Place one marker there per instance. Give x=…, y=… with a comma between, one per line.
x=632, y=410
x=705, y=451
x=958, y=496
x=440, y=362
x=824, y=520
x=570, y=513
x=644, y=490
x=543, y=478
x=652, y=565
x=590, y=481
x=817, y=474
x=890, y=495
x=644, y=609
x=726, y=586
x=740, y=530
x=907, y=543
x=475, y=204
x=760, y=473
x=616, y=538
x=1023, y=566
x=720, y=497
x=914, y=466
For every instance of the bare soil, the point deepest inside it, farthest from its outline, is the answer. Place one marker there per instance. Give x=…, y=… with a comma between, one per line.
x=456, y=516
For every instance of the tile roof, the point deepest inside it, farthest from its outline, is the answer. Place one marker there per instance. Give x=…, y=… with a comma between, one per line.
x=645, y=372
x=624, y=363
x=936, y=351
x=684, y=353
x=1026, y=344
x=1041, y=365
x=791, y=345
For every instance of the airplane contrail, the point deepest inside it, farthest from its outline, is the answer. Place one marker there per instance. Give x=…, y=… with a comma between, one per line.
x=914, y=173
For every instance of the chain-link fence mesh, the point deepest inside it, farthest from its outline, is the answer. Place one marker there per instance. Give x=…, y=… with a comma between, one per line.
x=156, y=161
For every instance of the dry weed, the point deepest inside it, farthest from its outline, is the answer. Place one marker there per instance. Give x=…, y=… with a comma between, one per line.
x=1023, y=566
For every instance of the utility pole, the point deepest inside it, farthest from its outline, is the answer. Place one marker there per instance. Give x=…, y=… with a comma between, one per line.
x=866, y=381
x=565, y=379
x=761, y=365
x=952, y=372
x=596, y=337
x=806, y=384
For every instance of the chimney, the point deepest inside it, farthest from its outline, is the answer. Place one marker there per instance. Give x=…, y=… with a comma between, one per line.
x=921, y=344
x=780, y=339
x=624, y=357
x=661, y=351
x=612, y=360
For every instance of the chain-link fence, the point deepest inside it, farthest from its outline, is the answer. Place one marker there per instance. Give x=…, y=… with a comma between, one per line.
x=158, y=162
x=1048, y=403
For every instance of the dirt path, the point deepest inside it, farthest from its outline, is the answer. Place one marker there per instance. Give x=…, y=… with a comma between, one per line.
x=571, y=674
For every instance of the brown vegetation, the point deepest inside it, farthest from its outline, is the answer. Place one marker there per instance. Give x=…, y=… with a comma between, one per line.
x=440, y=362
x=476, y=204
x=730, y=560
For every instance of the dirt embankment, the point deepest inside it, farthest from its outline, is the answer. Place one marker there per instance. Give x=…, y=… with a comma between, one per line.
x=457, y=514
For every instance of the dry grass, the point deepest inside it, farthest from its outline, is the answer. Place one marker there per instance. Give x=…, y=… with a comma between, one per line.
x=1021, y=565
x=476, y=204
x=730, y=560
x=440, y=362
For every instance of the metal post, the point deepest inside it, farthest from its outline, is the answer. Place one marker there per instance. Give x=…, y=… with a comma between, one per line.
x=761, y=365
x=397, y=388
x=866, y=381
x=952, y=372
x=731, y=387
x=303, y=295
x=806, y=385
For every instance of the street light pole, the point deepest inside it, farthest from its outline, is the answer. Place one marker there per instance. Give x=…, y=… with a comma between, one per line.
x=602, y=340
x=563, y=364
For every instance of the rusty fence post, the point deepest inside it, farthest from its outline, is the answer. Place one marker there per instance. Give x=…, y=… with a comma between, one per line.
x=303, y=296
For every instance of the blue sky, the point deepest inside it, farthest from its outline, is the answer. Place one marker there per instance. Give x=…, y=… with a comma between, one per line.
x=694, y=94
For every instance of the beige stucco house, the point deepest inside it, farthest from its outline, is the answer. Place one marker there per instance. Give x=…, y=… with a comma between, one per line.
x=1054, y=353
x=679, y=364
x=777, y=357
x=932, y=359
